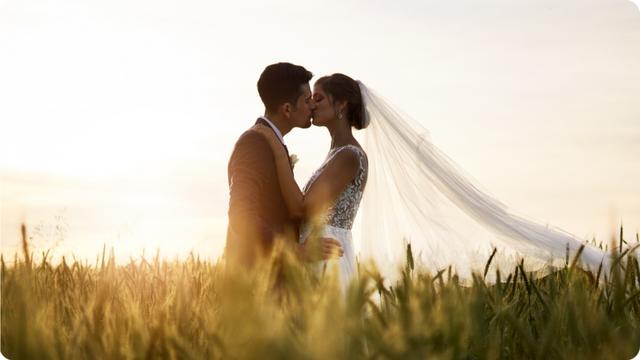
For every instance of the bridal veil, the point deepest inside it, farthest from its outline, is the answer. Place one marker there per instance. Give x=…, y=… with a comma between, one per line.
x=415, y=194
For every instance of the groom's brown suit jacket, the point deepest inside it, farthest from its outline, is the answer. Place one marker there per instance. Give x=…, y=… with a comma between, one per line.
x=258, y=214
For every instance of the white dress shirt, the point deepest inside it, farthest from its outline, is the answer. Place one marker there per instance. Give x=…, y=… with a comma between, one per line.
x=275, y=129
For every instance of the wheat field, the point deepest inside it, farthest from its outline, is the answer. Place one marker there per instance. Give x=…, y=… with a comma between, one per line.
x=194, y=309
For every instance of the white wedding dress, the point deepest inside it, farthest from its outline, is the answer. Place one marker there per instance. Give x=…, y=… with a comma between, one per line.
x=340, y=218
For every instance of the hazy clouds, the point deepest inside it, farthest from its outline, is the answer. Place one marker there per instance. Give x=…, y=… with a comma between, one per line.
x=121, y=114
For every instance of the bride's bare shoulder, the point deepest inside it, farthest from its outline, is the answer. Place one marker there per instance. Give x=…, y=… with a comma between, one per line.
x=344, y=161
x=357, y=149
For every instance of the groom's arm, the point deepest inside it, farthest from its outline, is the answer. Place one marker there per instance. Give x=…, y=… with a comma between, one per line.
x=246, y=184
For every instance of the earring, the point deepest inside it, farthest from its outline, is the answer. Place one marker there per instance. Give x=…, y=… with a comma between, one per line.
x=339, y=116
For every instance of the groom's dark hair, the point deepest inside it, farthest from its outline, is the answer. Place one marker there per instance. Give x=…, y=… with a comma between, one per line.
x=280, y=83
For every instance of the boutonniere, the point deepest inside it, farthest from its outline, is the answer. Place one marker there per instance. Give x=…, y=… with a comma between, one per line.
x=293, y=159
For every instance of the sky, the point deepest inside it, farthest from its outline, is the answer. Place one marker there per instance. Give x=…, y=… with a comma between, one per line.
x=118, y=117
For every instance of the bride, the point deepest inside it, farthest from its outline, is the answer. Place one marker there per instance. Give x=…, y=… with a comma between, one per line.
x=415, y=194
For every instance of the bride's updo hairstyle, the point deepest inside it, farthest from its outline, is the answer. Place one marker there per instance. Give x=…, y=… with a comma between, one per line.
x=343, y=88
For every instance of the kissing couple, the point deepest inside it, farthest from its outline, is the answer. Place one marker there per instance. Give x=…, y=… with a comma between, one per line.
x=265, y=200
x=414, y=193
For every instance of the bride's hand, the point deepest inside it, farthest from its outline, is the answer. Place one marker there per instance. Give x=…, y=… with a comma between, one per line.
x=273, y=140
x=316, y=249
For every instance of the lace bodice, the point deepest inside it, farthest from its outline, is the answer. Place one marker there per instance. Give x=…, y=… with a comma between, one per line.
x=342, y=213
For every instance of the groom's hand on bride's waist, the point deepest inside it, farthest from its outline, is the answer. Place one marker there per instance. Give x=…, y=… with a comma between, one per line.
x=320, y=249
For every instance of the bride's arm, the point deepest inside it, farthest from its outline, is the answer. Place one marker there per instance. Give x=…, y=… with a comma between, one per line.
x=313, y=205
x=293, y=197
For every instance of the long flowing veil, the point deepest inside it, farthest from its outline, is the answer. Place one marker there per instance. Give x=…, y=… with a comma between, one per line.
x=415, y=194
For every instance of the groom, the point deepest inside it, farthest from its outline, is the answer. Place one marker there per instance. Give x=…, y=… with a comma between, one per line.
x=258, y=214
